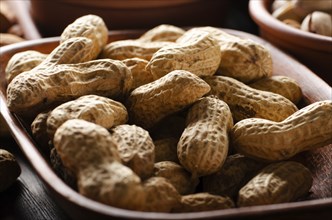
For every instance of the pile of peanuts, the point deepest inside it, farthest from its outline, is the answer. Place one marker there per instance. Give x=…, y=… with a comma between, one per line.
x=173, y=121
x=10, y=31
x=307, y=15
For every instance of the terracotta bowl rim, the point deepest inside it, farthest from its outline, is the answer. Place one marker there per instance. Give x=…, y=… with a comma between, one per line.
x=261, y=15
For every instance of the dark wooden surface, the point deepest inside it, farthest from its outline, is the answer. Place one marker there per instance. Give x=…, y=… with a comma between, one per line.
x=28, y=198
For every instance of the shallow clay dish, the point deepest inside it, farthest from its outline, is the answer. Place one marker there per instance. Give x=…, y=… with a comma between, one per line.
x=313, y=50
x=317, y=204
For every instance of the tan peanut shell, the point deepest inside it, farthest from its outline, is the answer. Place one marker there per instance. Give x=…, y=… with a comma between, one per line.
x=246, y=102
x=276, y=183
x=113, y=184
x=166, y=150
x=39, y=131
x=23, y=61
x=9, y=169
x=306, y=129
x=136, y=148
x=242, y=59
x=233, y=175
x=200, y=202
x=282, y=85
x=163, y=32
x=93, y=108
x=82, y=144
x=89, y=26
x=60, y=83
x=124, y=49
x=203, y=146
x=88, y=151
x=161, y=196
x=6, y=39
x=151, y=102
x=197, y=53
x=177, y=176
x=141, y=76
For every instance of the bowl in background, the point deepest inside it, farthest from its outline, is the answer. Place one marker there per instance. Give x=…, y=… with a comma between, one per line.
x=313, y=50
x=51, y=17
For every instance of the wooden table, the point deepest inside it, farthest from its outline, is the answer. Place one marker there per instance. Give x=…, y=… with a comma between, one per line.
x=28, y=198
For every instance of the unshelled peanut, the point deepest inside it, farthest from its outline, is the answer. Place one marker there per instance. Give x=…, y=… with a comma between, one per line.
x=197, y=53
x=276, y=183
x=163, y=32
x=88, y=151
x=247, y=102
x=166, y=149
x=151, y=102
x=93, y=108
x=306, y=129
x=136, y=148
x=9, y=169
x=203, y=146
x=177, y=176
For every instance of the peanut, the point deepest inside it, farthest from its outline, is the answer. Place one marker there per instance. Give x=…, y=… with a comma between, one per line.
x=136, y=148
x=203, y=146
x=197, y=53
x=88, y=151
x=124, y=49
x=60, y=83
x=177, y=176
x=234, y=174
x=39, y=132
x=166, y=150
x=164, y=32
x=276, y=183
x=200, y=202
x=282, y=85
x=140, y=75
x=9, y=169
x=161, y=196
x=6, y=39
x=246, y=102
x=97, y=109
x=318, y=22
x=23, y=61
x=151, y=102
x=89, y=26
x=306, y=129
x=253, y=60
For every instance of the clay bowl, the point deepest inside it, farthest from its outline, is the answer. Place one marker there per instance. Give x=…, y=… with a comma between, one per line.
x=313, y=50
x=317, y=204
x=51, y=17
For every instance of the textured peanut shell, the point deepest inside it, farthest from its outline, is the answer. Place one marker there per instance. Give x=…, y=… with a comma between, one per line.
x=89, y=26
x=39, y=131
x=306, y=129
x=23, y=61
x=61, y=83
x=81, y=144
x=124, y=49
x=141, y=76
x=97, y=109
x=151, y=102
x=136, y=148
x=166, y=150
x=203, y=146
x=242, y=59
x=200, y=202
x=9, y=169
x=246, y=102
x=176, y=175
x=276, y=183
x=161, y=196
x=197, y=53
x=163, y=32
x=282, y=85
x=113, y=184
x=233, y=175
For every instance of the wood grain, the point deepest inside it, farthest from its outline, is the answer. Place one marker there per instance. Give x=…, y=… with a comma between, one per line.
x=77, y=206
